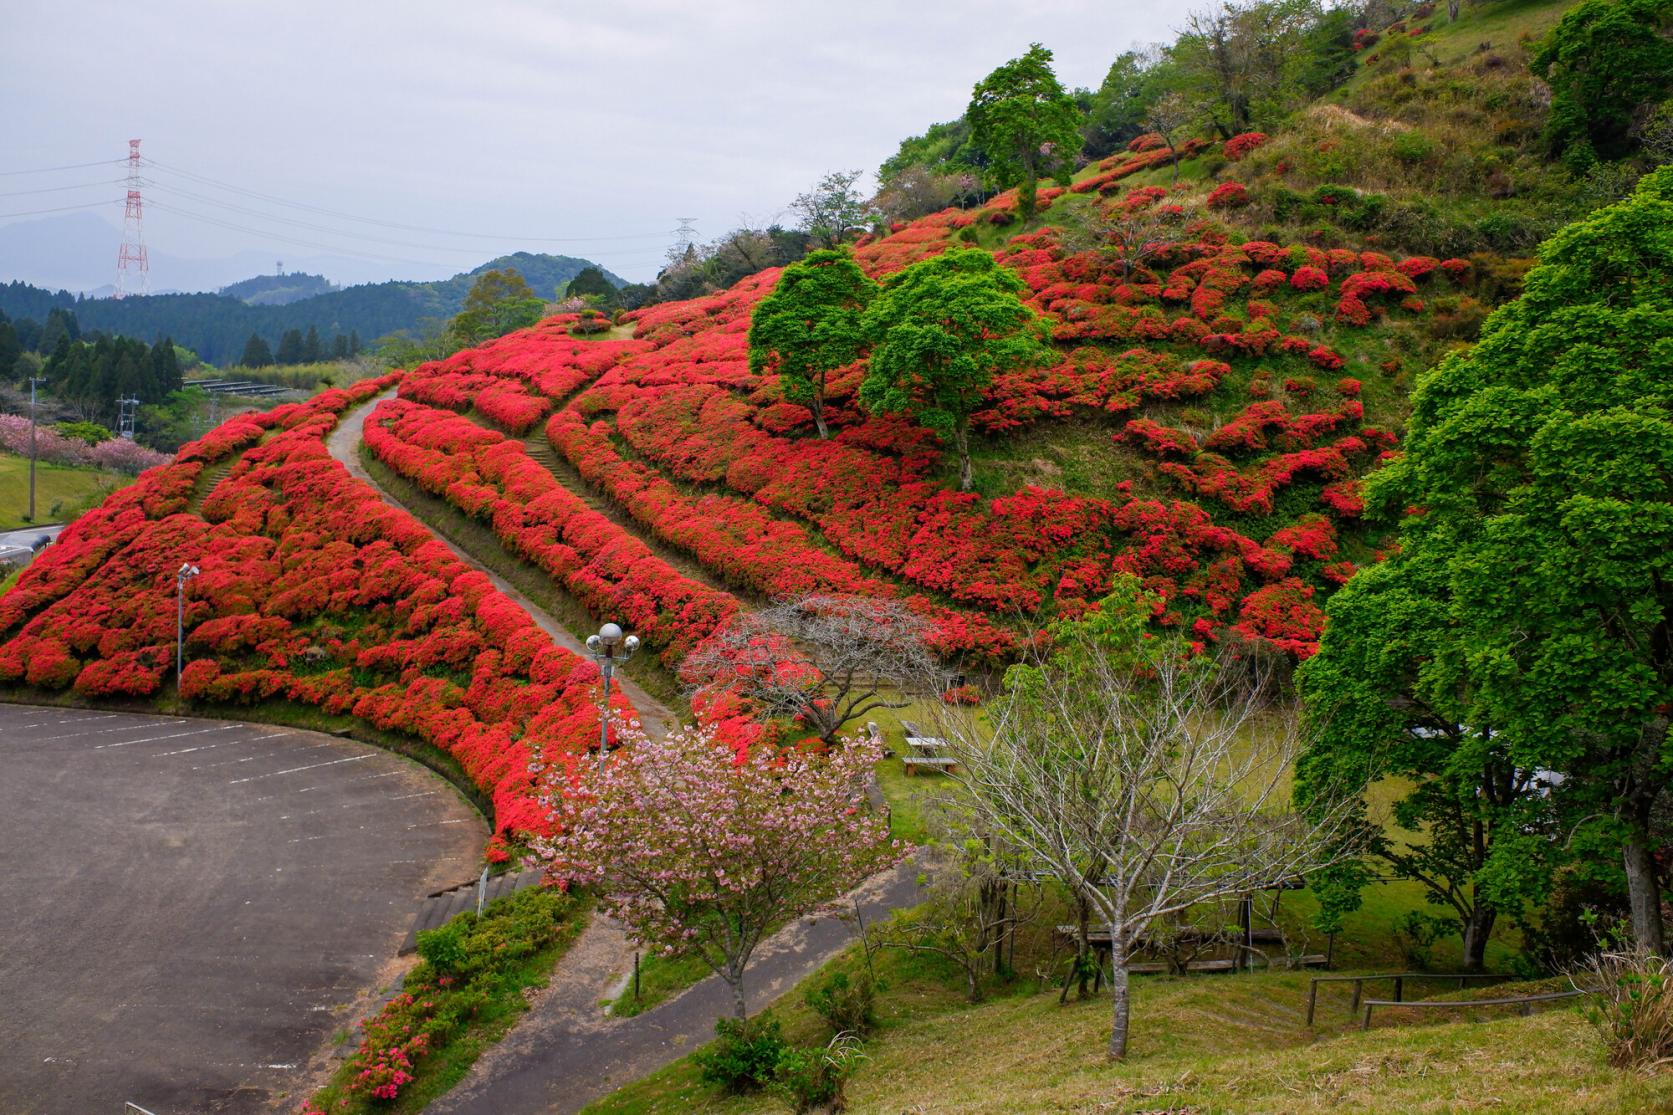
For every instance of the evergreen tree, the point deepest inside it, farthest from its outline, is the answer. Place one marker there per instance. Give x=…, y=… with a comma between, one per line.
x=10, y=350
x=339, y=347
x=290, y=347
x=312, y=353
x=164, y=372
x=354, y=344
x=256, y=353
x=499, y=302
x=591, y=283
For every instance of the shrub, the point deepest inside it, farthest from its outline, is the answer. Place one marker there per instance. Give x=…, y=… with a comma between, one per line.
x=848, y=1006
x=1634, y=1008
x=744, y=1055
x=1228, y=195
x=813, y=1079
x=443, y=948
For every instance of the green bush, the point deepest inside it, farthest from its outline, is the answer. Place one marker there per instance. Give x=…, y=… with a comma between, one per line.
x=848, y=1006
x=744, y=1055
x=1412, y=147
x=1634, y=1008
x=443, y=948
x=813, y=1079
x=90, y=432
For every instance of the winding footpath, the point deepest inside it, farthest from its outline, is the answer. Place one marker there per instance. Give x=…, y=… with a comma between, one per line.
x=344, y=444
x=569, y=1050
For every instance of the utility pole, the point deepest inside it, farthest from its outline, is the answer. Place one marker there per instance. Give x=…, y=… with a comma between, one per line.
x=33, y=380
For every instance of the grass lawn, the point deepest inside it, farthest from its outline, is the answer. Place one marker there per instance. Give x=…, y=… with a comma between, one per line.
x=61, y=492
x=1200, y=1044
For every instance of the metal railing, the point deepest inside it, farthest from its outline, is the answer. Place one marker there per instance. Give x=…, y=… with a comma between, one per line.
x=1399, y=979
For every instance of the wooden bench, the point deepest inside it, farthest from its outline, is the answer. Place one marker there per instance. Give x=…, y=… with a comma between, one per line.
x=1523, y=1003
x=932, y=762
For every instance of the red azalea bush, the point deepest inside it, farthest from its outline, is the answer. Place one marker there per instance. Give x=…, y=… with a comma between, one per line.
x=1240, y=145
x=313, y=591
x=1228, y=195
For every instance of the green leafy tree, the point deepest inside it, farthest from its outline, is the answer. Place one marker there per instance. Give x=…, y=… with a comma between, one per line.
x=290, y=347
x=941, y=330
x=10, y=349
x=499, y=302
x=312, y=351
x=1526, y=613
x=1607, y=62
x=833, y=210
x=591, y=284
x=256, y=353
x=1027, y=124
x=811, y=325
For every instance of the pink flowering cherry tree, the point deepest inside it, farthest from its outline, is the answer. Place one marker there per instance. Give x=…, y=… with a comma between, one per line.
x=702, y=853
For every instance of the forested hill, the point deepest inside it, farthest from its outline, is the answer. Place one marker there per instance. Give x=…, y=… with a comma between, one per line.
x=216, y=327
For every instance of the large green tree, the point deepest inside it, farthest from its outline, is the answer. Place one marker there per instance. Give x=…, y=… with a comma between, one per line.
x=1027, y=124
x=1608, y=62
x=499, y=301
x=811, y=325
x=256, y=353
x=941, y=330
x=1520, y=636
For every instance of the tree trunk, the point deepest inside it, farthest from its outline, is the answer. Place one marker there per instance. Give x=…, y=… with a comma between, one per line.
x=1118, y=994
x=739, y=1007
x=1477, y=927
x=1643, y=895
x=819, y=415
x=961, y=442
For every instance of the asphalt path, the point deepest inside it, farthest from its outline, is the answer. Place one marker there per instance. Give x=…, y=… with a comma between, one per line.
x=17, y=547
x=194, y=907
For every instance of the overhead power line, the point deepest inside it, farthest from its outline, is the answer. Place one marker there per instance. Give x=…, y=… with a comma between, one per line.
x=63, y=208
x=339, y=214
x=60, y=189
x=67, y=166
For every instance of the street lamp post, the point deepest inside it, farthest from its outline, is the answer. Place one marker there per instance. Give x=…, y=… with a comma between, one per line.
x=187, y=572
x=607, y=648
x=33, y=380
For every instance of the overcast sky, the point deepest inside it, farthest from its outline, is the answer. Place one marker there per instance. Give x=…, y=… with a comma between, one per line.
x=514, y=119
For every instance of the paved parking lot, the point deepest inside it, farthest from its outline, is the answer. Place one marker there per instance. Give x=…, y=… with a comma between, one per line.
x=190, y=905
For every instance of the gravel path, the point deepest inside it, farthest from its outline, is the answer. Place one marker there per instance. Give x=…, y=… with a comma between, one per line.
x=344, y=445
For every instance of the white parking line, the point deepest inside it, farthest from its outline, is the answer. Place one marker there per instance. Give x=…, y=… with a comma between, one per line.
x=209, y=746
x=172, y=735
x=293, y=770
x=118, y=728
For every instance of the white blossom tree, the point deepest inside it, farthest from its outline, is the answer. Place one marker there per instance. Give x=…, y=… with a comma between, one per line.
x=701, y=852
x=1148, y=781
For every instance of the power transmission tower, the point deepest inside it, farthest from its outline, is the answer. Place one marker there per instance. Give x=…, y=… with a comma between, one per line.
x=127, y=410
x=133, y=265
x=684, y=237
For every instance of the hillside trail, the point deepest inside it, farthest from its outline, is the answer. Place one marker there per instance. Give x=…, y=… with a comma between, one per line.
x=569, y=1051
x=344, y=444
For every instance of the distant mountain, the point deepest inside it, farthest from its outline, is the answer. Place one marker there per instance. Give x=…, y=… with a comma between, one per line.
x=216, y=326
x=278, y=290
x=77, y=252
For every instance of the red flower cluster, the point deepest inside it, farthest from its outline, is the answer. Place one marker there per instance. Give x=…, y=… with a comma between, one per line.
x=312, y=591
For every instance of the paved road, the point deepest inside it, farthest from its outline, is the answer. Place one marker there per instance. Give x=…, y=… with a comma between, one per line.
x=344, y=444
x=17, y=547
x=567, y=1052
x=191, y=906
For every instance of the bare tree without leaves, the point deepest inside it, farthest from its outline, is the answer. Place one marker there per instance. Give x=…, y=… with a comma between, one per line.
x=974, y=906
x=1129, y=239
x=1171, y=115
x=823, y=660
x=1148, y=781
